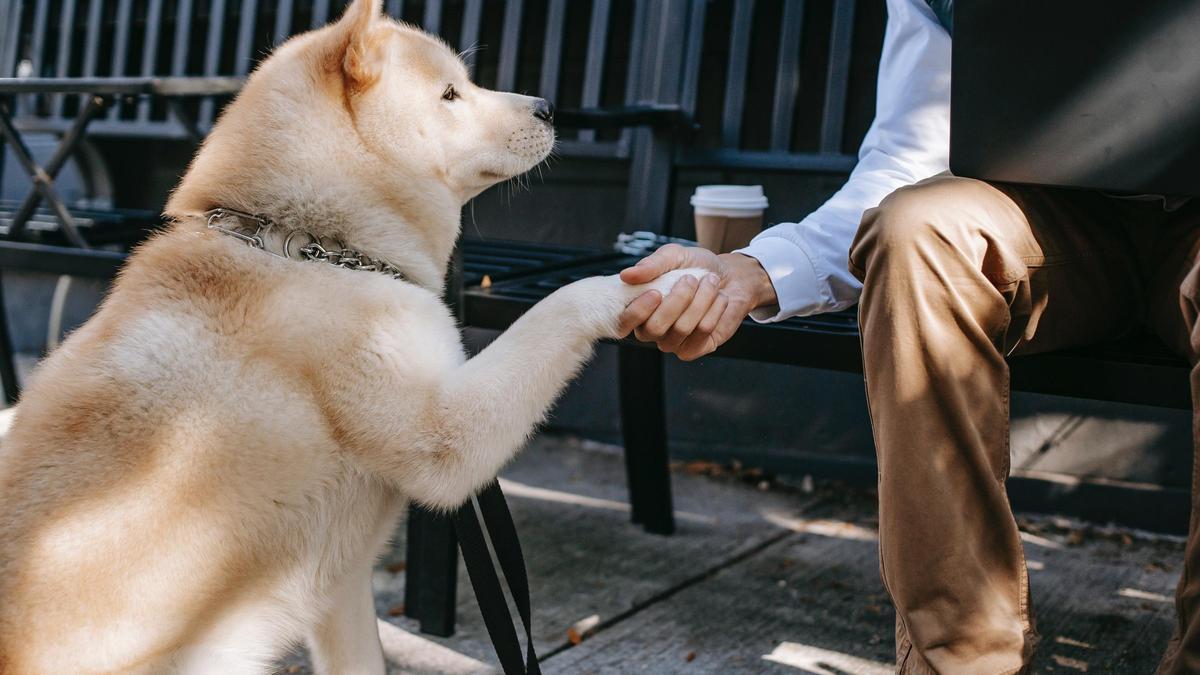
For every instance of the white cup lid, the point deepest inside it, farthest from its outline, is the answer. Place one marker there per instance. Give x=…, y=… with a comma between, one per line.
x=737, y=197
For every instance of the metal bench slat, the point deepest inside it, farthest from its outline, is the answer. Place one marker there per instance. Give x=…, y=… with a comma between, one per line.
x=556, y=15
x=40, y=18
x=432, y=19
x=735, y=77
x=320, y=13
x=510, y=38
x=66, y=24
x=837, y=82
x=149, y=51
x=120, y=49
x=690, y=86
x=10, y=37
x=395, y=8
x=593, y=69
x=182, y=37
x=469, y=40
x=243, y=59
x=283, y=21
x=787, y=76
x=212, y=57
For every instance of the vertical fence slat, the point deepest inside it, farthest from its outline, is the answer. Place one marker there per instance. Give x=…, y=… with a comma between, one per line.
x=637, y=36
x=91, y=44
x=183, y=22
x=735, y=82
x=283, y=21
x=469, y=40
x=640, y=11
x=787, y=76
x=121, y=41
x=432, y=21
x=66, y=25
x=556, y=15
x=150, y=52
x=593, y=67
x=510, y=46
x=212, y=57
x=37, y=44
x=395, y=8
x=833, y=119
x=243, y=59
x=689, y=90
x=120, y=51
x=320, y=13
x=11, y=11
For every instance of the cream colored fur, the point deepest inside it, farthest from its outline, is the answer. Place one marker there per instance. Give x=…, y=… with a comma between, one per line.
x=204, y=473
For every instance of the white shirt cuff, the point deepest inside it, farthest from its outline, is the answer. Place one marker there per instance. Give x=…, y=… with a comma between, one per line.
x=792, y=274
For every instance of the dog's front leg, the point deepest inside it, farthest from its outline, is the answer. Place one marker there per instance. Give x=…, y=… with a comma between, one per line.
x=346, y=640
x=485, y=410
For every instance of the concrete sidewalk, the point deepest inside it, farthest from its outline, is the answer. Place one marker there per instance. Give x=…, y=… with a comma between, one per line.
x=760, y=578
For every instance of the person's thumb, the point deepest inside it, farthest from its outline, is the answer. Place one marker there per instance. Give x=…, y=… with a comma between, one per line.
x=651, y=267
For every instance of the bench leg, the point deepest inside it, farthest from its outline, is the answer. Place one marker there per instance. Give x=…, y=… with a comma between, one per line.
x=8, y=357
x=431, y=575
x=644, y=429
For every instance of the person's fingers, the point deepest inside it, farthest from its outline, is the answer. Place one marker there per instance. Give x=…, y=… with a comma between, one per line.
x=692, y=314
x=669, y=311
x=708, y=323
x=697, y=345
x=638, y=311
x=727, y=325
x=701, y=342
x=653, y=266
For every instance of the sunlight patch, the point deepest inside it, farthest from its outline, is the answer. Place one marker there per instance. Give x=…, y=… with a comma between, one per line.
x=824, y=661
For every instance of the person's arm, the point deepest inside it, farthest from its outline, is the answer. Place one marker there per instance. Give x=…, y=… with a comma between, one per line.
x=804, y=263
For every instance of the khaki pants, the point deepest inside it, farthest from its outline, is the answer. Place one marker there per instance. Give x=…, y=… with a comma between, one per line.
x=957, y=274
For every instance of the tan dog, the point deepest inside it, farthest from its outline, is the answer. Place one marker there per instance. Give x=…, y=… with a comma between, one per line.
x=204, y=473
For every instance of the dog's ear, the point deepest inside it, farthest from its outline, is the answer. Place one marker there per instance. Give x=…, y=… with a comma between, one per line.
x=361, y=63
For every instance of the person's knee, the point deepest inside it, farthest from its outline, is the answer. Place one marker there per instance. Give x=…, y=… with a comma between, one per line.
x=912, y=227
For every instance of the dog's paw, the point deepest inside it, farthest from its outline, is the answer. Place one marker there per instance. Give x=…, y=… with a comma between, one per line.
x=665, y=283
x=599, y=301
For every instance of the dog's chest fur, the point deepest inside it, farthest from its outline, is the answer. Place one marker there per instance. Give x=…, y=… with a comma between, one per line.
x=191, y=407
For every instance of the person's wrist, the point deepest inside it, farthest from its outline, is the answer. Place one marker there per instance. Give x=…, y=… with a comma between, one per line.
x=755, y=278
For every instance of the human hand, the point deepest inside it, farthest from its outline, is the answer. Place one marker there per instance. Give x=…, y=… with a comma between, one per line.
x=697, y=316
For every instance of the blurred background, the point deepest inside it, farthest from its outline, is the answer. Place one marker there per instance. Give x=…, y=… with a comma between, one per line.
x=790, y=421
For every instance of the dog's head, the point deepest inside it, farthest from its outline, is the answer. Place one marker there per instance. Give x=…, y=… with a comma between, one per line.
x=414, y=102
x=364, y=107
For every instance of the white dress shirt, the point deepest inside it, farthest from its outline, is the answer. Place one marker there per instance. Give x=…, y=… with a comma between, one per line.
x=908, y=141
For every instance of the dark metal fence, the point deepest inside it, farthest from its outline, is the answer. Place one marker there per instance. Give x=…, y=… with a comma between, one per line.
x=786, y=84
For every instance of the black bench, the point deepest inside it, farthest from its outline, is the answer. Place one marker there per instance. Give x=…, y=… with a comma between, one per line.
x=1136, y=370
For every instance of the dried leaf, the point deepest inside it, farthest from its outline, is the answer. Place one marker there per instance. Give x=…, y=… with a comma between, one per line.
x=397, y=567
x=1067, y=662
x=396, y=610
x=580, y=630
x=691, y=656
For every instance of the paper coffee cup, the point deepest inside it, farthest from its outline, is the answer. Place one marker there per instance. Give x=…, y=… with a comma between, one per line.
x=728, y=216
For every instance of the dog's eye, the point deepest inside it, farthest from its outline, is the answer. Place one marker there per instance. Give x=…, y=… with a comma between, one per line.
x=450, y=94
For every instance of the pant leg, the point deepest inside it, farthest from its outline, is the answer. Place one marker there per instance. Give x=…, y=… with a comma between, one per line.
x=956, y=274
x=1174, y=291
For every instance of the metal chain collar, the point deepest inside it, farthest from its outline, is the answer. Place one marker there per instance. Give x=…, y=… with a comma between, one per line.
x=338, y=255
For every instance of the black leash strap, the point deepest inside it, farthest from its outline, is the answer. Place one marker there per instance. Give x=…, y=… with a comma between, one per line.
x=497, y=519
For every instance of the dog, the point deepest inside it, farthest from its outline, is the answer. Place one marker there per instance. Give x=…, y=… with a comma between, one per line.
x=203, y=474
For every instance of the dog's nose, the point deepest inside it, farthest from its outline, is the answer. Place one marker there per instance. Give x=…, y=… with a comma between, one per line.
x=543, y=110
